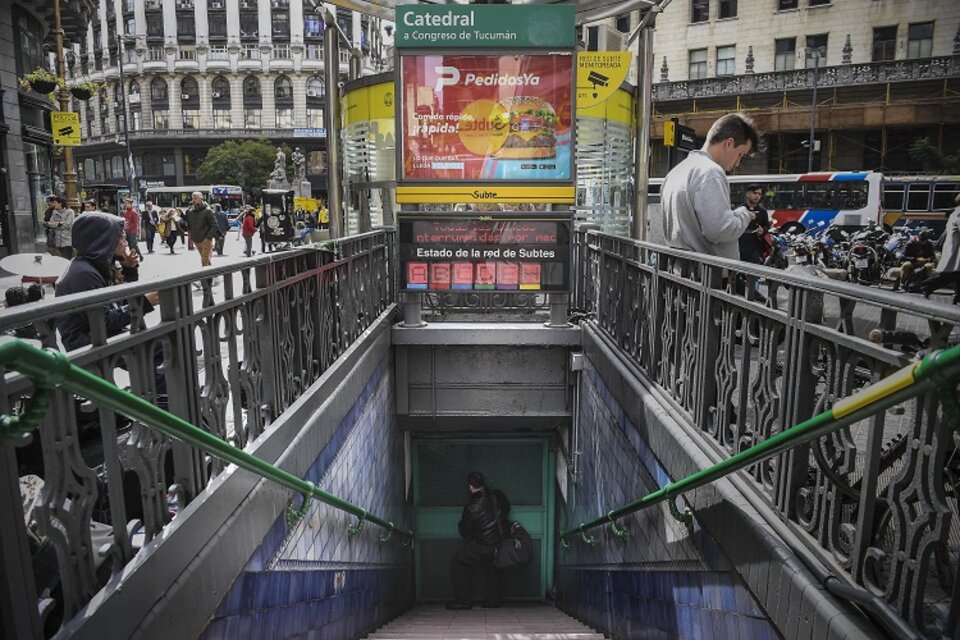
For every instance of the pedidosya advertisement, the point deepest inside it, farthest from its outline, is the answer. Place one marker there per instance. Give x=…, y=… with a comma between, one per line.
x=487, y=117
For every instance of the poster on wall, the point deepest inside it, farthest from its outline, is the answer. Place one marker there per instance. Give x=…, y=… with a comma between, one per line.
x=487, y=118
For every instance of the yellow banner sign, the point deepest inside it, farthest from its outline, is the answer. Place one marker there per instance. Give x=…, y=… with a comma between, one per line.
x=66, y=128
x=599, y=75
x=374, y=102
x=307, y=204
x=450, y=194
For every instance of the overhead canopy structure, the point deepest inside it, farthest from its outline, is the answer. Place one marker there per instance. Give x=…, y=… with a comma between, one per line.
x=587, y=10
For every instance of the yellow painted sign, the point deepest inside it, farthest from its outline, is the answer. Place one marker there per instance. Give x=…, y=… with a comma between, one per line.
x=307, y=204
x=369, y=103
x=65, y=126
x=618, y=108
x=492, y=193
x=599, y=75
x=669, y=133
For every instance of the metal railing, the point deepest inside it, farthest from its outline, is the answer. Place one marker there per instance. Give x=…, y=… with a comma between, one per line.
x=739, y=372
x=231, y=358
x=49, y=369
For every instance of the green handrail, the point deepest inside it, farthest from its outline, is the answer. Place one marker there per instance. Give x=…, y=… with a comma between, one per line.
x=48, y=368
x=940, y=369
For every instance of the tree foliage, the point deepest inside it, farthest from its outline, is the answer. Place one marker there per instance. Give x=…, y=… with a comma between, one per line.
x=932, y=160
x=246, y=163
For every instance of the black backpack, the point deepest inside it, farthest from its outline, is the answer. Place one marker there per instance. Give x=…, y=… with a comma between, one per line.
x=515, y=550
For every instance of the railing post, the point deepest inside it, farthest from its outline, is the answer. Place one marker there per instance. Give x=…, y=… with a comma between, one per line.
x=412, y=317
x=709, y=336
x=18, y=596
x=559, y=306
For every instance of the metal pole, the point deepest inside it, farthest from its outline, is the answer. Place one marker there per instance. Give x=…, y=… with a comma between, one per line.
x=69, y=171
x=331, y=63
x=641, y=176
x=813, y=109
x=356, y=63
x=126, y=118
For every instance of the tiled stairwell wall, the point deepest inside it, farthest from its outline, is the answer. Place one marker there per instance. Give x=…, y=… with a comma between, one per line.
x=661, y=580
x=315, y=580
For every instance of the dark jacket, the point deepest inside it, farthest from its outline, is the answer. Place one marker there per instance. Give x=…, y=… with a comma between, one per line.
x=201, y=223
x=223, y=222
x=479, y=520
x=95, y=237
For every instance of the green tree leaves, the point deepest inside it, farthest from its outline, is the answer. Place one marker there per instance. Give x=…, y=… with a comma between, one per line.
x=246, y=163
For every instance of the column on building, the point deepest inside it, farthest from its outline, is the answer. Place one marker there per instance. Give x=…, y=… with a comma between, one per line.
x=300, y=98
x=236, y=100
x=268, y=113
x=175, y=102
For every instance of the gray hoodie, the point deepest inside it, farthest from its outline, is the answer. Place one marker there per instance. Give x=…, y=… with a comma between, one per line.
x=696, y=208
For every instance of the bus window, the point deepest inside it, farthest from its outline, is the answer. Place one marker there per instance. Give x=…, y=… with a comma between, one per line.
x=893, y=194
x=944, y=195
x=785, y=196
x=918, y=197
x=850, y=195
x=816, y=195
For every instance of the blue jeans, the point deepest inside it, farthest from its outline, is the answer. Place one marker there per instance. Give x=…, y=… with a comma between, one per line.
x=132, y=240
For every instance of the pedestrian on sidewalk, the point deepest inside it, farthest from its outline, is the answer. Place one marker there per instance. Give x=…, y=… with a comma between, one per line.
x=223, y=226
x=171, y=228
x=131, y=226
x=60, y=227
x=696, y=193
x=479, y=524
x=151, y=218
x=202, y=227
x=248, y=228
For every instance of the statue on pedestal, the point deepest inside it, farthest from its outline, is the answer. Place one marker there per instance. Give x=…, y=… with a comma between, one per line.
x=280, y=167
x=299, y=166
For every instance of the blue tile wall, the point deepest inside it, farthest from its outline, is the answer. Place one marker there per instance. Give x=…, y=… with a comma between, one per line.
x=314, y=580
x=662, y=580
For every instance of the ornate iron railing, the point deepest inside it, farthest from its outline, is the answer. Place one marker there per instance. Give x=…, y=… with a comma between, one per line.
x=845, y=75
x=876, y=500
x=257, y=340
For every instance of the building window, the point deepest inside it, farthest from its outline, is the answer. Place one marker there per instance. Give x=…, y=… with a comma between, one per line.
x=156, y=53
x=191, y=160
x=884, y=43
x=623, y=23
x=281, y=52
x=189, y=90
x=217, y=5
x=154, y=25
x=314, y=88
x=698, y=64
x=130, y=27
x=251, y=118
x=218, y=53
x=283, y=89
x=217, y=26
x=920, y=40
x=161, y=119
x=783, y=5
x=314, y=52
x=250, y=52
x=187, y=53
x=727, y=9
x=312, y=26
x=726, y=60
x=186, y=26
x=281, y=25
x=221, y=118
x=191, y=118
x=220, y=92
x=249, y=25
x=284, y=118
x=158, y=90
x=699, y=10
x=817, y=3
x=136, y=120
x=130, y=56
x=251, y=90
x=785, y=54
x=816, y=47
x=315, y=118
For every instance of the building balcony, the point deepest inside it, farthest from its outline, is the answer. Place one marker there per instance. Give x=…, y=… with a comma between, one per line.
x=801, y=79
x=213, y=136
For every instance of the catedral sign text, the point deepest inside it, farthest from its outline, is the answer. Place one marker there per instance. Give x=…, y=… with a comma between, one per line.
x=479, y=26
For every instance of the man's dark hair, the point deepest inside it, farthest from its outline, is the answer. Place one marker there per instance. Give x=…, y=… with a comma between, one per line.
x=62, y=201
x=34, y=292
x=15, y=296
x=475, y=480
x=754, y=187
x=739, y=127
x=90, y=203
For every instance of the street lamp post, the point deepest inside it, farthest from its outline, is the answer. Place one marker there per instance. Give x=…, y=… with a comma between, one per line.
x=126, y=120
x=69, y=171
x=815, y=51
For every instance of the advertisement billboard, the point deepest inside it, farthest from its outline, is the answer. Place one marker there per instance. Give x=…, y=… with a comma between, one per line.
x=486, y=118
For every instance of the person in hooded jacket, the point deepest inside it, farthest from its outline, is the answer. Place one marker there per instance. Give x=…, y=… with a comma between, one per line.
x=103, y=259
x=481, y=528
x=948, y=269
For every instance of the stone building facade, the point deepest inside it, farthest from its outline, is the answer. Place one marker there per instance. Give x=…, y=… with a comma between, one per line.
x=888, y=72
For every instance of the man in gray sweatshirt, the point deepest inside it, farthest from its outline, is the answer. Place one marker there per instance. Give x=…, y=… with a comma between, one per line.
x=696, y=193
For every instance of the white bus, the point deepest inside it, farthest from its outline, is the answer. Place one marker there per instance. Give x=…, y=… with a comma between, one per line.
x=230, y=197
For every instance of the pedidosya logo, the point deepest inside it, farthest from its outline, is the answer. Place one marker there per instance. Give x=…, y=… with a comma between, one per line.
x=451, y=76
